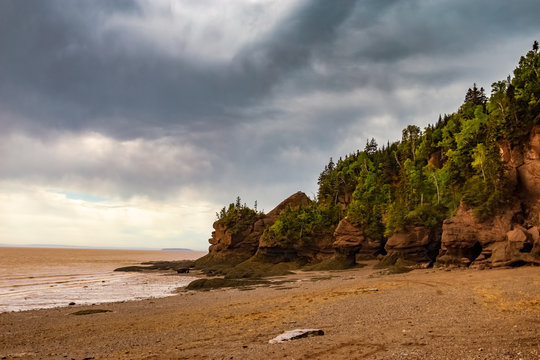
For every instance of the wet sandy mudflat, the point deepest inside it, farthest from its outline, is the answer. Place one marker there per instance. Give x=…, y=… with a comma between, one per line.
x=34, y=278
x=424, y=314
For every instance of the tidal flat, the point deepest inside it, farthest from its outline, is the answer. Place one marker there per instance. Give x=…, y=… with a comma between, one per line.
x=365, y=314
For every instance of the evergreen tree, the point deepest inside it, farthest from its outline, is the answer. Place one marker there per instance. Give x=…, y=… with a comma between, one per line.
x=371, y=147
x=476, y=96
x=422, y=179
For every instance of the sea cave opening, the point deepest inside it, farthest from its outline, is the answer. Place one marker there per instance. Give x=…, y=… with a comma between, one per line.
x=476, y=250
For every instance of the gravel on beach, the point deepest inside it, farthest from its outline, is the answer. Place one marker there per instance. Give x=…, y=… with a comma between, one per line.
x=424, y=314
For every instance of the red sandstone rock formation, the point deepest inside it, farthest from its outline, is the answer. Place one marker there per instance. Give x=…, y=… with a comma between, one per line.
x=317, y=249
x=232, y=248
x=464, y=239
x=351, y=243
x=510, y=238
x=416, y=243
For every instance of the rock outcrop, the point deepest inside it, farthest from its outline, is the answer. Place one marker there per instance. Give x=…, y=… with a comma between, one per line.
x=502, y=241
x=233, y=247
x=465, y=240
x=518, y=248
x=318, y=248
x=351, y=243
x=511, y=237
x=416, y=243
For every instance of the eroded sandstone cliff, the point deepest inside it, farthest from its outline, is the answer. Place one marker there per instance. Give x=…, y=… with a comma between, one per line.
x=509, y=238
x=233, y=247
x=351, y=244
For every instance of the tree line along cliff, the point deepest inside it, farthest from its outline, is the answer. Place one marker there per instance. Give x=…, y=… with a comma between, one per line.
x=464, y=191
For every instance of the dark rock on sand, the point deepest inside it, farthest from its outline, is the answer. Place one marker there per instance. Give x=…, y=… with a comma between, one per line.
x=179, y=266
x=90, y=312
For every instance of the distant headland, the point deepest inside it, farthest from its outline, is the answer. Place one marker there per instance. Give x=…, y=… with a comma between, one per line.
x=177, y=249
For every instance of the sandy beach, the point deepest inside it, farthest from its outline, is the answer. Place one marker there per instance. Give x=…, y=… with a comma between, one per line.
x=424, y=314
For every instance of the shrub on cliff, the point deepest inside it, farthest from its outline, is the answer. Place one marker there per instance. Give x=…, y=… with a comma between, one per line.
x=297, y=225
x=237, y=217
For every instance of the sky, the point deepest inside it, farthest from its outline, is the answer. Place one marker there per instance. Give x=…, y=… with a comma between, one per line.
x=131, y=123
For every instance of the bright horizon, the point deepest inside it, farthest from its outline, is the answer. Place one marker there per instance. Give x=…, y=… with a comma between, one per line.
x=55, y=246
x=129, y=125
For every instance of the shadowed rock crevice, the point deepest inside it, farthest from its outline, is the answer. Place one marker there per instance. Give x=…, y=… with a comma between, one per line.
x=476, y=251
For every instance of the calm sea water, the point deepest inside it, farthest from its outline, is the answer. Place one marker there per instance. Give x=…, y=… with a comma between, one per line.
x=34, y=278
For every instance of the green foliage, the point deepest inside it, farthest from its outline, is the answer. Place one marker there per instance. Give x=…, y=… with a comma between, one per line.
x=369, y=200
x=237, y=217
x=485, y=199
x=519, y=107
x=426, y=214
x=422, y=179
x=297, y=225
x=395, y=218
x=475, y=96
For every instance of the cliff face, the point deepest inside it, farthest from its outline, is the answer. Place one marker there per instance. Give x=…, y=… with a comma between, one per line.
x=415, y=243
x=351, y=243
x=229, y=247
x=273, y=251
x=510, y=238
x=318, y=248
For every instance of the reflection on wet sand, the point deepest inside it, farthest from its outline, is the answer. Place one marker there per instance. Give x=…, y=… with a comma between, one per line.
x=32, y=278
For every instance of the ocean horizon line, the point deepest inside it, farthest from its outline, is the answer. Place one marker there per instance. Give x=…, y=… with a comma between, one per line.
x=87, y=247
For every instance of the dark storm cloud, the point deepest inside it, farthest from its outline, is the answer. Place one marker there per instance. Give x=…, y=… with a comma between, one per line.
x=55, y=68
x=377, y=37
x=411, y=28
x=325, y=77
x=295, y=40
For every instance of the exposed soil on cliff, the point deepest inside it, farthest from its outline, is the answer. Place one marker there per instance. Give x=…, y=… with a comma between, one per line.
x=424, y=314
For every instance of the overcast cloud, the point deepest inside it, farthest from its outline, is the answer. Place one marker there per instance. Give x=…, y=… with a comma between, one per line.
x=171, y=109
